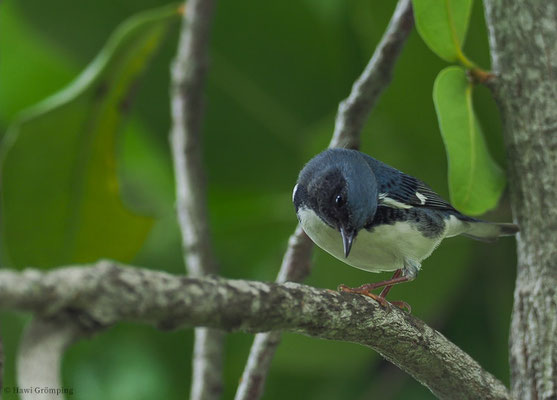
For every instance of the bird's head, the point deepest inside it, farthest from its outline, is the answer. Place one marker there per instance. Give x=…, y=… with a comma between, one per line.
x=340, y=187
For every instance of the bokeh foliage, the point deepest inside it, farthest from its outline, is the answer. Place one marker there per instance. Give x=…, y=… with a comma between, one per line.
x=59, y=196
x=278, y=71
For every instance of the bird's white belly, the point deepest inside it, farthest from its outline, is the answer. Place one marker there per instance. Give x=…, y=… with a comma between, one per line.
x=385, y=248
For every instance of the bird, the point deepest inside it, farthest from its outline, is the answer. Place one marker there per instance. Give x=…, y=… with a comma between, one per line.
x=376, y=218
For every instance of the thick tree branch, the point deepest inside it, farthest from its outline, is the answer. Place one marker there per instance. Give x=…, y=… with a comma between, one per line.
x=295, y=267
x=188, y=79
x=524, y=56
x=354, y=110
x=107, y=293
x=351, y=116
x=40, y=356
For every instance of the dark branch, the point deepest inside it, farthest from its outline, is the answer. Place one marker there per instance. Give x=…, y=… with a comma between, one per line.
x=107, y=293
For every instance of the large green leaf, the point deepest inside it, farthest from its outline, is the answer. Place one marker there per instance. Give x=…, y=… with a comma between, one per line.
x=442, y=24
x=59, y=190
x=46, y=65
x=475, y=180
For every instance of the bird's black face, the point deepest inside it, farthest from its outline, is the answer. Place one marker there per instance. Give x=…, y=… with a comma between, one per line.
x=340, y=188
x=328, y=196
x=331, y=198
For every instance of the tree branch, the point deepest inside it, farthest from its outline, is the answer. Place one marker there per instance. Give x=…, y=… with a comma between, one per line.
x=107, y=293
x=188, y=79
x=295, y=267
x=524, y=58
x=40, y=355
x=351, y=116
x=354, y=110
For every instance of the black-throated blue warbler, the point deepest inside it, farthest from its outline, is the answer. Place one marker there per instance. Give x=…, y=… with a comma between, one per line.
x=377, y=218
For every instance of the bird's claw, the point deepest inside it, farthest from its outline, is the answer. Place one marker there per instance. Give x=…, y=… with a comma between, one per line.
x=380, y=299
x=402, y=305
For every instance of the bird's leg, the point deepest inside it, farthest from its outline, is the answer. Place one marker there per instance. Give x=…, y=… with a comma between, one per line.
x=409, y=273
x=376, y=285
x=388, y=288
x=388, y=284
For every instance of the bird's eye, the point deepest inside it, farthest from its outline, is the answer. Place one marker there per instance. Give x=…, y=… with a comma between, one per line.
x=339, y=200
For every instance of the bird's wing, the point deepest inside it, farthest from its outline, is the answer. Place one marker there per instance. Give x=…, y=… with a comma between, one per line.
x=398, y=190
x=405, y=191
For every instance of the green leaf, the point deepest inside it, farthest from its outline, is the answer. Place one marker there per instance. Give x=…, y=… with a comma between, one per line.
x=49, y=67
x=60, y=197
x=475, y=180
x=442, y=24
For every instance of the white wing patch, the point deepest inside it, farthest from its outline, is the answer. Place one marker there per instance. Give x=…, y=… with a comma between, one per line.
x=421, y=197
x=294, y=192
x=392, y=203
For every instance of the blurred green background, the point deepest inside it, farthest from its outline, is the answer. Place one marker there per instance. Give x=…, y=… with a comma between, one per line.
x=278, y=71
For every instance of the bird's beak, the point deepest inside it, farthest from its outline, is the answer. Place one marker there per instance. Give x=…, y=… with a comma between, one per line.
x=347, y=239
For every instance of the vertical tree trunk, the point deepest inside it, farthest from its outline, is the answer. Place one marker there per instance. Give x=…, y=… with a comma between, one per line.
x=523, y=40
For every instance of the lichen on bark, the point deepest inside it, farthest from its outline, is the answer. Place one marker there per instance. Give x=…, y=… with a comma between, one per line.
x=523, y=41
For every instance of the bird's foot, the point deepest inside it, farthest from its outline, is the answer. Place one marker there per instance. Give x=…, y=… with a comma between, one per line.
x=378, y=298
x=368, y=287
x=366, y=291
x=402, y=305
x=381, y=300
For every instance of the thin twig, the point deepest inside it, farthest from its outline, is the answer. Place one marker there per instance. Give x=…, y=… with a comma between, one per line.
x=40, y=356
x=188, y=82
x=351, y=116
x=108, y=293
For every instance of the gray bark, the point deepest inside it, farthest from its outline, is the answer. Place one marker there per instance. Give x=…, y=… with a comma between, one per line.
x=295, y=267
x=40, y=354
x=188, y=84
x=107, y=293
x=523, y=40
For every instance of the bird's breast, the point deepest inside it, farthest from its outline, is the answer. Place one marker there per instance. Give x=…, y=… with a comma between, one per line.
x=383, y=248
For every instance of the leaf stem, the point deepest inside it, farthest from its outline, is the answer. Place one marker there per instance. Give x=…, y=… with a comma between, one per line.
x=477, y=74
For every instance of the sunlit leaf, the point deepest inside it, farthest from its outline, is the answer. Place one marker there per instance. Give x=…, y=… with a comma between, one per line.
x=60, y=196
x=442, y=24
x=475, y=180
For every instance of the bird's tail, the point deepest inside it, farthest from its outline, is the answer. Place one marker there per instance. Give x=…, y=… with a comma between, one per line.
x=490, y=231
